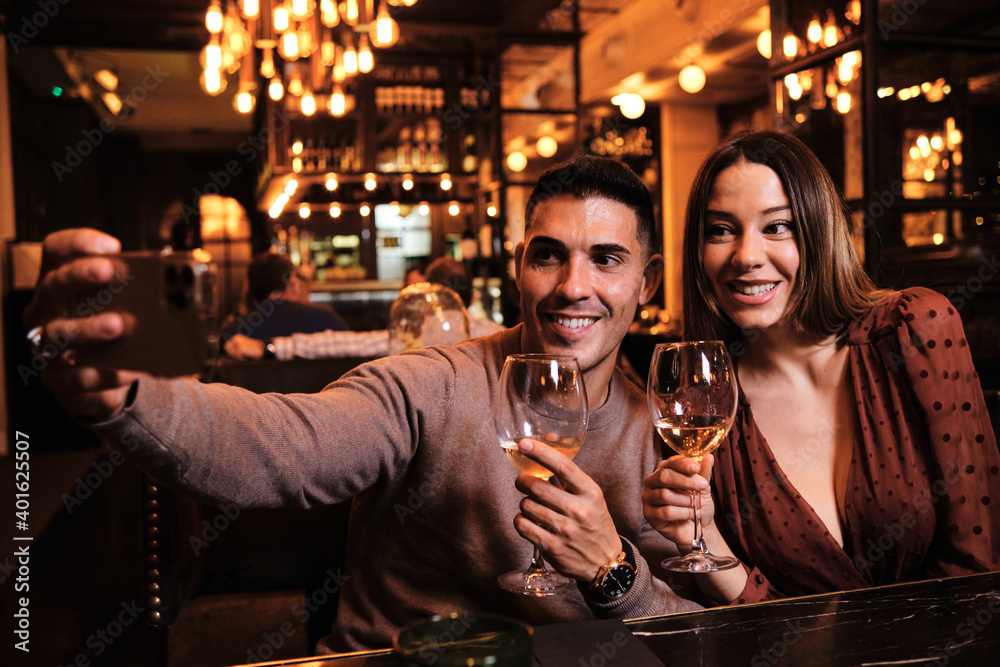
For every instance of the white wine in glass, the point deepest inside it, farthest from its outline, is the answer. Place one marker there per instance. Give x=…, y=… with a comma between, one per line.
x=692, y=399
x=568, y=447
x=542, y=397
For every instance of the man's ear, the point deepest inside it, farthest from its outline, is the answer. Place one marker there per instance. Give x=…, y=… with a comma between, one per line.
x=518, y=255
x=652, y=277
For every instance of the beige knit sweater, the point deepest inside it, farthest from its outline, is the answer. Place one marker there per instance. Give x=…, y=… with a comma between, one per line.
x=411, y=438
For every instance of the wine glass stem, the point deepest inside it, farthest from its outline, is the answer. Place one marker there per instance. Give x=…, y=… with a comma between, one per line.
x=699, y=538
x=537, y=562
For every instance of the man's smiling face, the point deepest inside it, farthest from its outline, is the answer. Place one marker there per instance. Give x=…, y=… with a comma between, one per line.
x=582, y=272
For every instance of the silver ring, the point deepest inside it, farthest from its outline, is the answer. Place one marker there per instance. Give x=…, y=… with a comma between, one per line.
x=35, y=337
x=48, y=352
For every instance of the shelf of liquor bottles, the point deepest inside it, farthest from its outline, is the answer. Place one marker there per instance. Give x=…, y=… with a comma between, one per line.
x=415, y=119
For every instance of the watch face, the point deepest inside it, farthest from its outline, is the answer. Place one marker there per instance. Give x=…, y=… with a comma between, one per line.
x=618, y=581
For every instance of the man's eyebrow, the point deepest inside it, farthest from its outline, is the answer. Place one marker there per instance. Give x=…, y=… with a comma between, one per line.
x=606, y=248
x=602, y=248
x=545, y=240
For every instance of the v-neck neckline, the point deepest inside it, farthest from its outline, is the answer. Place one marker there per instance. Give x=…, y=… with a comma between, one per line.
x=778, y=473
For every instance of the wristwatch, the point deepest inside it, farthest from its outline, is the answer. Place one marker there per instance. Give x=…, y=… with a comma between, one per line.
x=615, y=579
x=269, y=349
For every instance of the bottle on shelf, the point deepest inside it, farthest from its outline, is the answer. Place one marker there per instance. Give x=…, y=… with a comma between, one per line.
x=486, y=240
x=469, y=158
x=468, y=245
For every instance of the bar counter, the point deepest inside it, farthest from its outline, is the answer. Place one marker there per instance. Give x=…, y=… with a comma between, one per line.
x=953, y=621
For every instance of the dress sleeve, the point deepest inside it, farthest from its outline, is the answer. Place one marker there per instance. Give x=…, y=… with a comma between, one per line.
x=934, y=355
x=757, y=589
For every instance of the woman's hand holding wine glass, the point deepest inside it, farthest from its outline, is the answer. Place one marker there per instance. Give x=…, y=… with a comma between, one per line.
x=667, y=499
x=692, y=397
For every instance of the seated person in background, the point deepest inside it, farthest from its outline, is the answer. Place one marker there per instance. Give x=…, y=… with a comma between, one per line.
x=862, y=452
x=325, y=344
x=276, y=303
x=456, y=275
x=438, y=510
x=415, y=274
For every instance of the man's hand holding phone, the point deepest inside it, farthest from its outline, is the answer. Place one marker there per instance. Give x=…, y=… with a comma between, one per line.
x=74, y=262
x=100, y=315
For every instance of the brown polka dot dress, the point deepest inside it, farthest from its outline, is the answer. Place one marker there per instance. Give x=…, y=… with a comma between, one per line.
x=923, y=479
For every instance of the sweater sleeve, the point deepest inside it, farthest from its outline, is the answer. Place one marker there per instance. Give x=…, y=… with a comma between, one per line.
x=963, y=450
x=297, y=449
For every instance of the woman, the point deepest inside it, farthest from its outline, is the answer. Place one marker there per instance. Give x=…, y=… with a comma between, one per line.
x=862, y=452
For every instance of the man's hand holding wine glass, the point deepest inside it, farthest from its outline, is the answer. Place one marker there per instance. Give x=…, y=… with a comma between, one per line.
x=570, y=523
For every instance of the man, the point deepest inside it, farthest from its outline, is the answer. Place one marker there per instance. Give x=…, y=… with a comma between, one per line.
x=276, y=303
x=438, y=510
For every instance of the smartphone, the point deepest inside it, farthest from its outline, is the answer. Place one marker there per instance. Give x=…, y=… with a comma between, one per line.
x=167, y=300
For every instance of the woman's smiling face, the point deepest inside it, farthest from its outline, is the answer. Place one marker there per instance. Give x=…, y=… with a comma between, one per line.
x=750, y=256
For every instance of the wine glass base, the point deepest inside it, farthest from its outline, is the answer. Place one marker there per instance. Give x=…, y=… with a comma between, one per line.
x=535, y=584
x=700, y=562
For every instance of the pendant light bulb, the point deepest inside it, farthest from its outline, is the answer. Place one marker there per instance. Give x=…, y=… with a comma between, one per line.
x=250, y=8
x=289, y=46
x=211, y=55
x=244, y=102
x=301, y=10
x=337, y=105
x=329, y=13
x=384, y=30
x=267, y=63
x=814, y=32
x=349, y=12
x=328, y=52
x=366, y=61
x=547, y=146
x=350, y=60
x=280, y=20
x=308, y=103
x=764, y=43
x=275, y=90
x=214, y=18
x=691, y=79
x=212, y=81
x=295, y=86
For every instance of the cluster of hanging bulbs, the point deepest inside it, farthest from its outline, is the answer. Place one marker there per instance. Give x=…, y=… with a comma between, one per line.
x=304, y=48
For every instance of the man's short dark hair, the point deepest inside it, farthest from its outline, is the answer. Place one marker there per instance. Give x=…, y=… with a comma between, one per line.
x=266, y=274
x=451, y=273
x=590, y=176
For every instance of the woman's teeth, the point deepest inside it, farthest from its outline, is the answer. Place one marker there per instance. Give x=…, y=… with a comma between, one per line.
x=756, y=290
x=574, y=322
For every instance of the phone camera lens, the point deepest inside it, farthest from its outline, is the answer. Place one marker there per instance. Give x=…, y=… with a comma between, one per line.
x=187, y=276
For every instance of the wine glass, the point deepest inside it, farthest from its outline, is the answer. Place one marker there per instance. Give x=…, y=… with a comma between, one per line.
x=692, y=399
x=542, y=397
